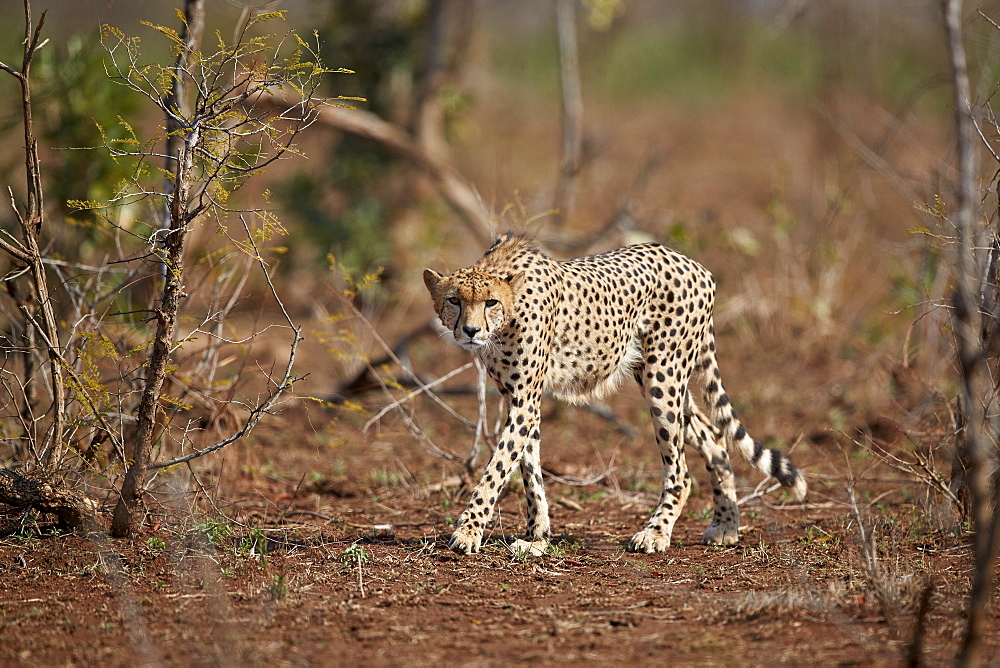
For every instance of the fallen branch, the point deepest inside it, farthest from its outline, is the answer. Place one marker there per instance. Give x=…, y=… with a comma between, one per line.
x=396, y=140
x=74, y=511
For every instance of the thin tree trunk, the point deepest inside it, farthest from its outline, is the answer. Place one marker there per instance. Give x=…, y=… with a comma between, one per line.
x=194, y=12
x=32, y=225
x=976, y=438
x=124, y=520
x=572, y=110
x=427, y=114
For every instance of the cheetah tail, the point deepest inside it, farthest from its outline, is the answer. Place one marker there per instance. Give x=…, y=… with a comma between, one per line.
x=766, y=460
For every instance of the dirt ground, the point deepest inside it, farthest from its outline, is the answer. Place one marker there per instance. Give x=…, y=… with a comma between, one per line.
x=302, y=562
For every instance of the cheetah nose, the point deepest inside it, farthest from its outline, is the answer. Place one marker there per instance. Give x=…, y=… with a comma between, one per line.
x=470, y=331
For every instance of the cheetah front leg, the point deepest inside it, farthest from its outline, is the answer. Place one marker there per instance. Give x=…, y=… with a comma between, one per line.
x=536, y=537
x=520, y=432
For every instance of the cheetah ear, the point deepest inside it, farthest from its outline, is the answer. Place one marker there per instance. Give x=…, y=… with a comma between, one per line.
x=431, y=279
x=516, y=281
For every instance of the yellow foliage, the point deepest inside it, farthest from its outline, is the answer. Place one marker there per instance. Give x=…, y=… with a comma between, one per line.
x=164, y=30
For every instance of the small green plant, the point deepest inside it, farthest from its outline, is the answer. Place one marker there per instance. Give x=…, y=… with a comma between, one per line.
x=28, y=529
x=591, y=496
x=561, y=548
x=216, y=531
x=253, y=544
x=814, y=536
x=354, y=554
x=156, y=543
x=555, y=550
x=385, y=478
x=95, y=568
x=519, y=552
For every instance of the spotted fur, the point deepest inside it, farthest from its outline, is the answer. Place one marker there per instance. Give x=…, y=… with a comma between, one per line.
x=576, y=329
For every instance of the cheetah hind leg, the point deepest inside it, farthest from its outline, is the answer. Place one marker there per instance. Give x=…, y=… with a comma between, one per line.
x=655, y=537
x=710, y=444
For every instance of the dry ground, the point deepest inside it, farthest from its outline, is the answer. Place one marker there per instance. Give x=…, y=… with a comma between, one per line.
x=309, y=561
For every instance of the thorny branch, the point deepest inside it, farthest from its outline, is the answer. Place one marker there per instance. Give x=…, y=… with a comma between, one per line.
x=280, y=386
x=420, y=390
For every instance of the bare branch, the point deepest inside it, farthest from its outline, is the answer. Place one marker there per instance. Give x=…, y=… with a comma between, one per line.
x=279, y=387
x=395, y=139
x=28, y=251
x=407, y=418
x=420, y=390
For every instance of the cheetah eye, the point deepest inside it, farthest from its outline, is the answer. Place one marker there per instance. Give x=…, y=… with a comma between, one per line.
x=491, y=302
x=455, y=301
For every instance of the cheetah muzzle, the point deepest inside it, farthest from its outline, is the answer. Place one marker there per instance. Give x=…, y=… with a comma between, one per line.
x=576, y=329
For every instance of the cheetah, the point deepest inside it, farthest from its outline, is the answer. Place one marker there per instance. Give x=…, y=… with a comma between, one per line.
x=576, y=329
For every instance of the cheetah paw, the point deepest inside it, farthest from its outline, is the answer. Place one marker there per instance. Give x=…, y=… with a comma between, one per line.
x=649, y=541
x=465, y=542
x=721, y=534
x=522, y=547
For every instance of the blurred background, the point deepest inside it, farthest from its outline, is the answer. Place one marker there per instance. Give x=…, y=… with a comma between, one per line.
x=802, y=150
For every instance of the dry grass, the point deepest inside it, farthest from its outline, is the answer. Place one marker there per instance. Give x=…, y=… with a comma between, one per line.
x=787, y=603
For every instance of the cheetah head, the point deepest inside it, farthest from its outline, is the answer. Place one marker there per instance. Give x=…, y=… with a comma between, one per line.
x=475, y=305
